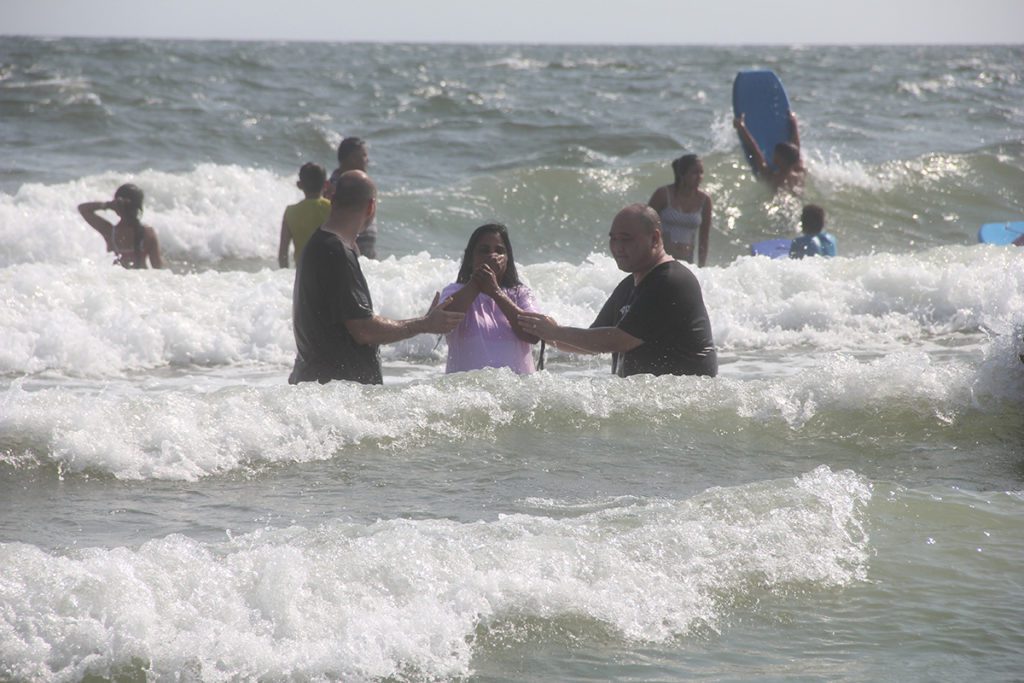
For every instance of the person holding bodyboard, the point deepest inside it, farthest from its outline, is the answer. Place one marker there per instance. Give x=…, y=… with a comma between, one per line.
x=765, y=122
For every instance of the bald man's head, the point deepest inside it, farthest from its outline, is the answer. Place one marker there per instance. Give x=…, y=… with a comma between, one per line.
x=353, y=191
x=640, y=215
x=635, y=239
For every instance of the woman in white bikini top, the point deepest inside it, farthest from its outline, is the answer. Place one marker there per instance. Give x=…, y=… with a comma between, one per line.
x=685, y=211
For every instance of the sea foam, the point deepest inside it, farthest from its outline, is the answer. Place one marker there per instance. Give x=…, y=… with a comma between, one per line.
x=90, y=320
x=212, y=213
x=170, y=431
x=413, y=598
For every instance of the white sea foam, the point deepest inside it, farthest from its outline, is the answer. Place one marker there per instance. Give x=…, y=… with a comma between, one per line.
x=210, y=214
x=829, y=304
x=94, y=320
x=516, y=63
x=831, y=172
x=181, y=431
x=89, y=319
x=922, y=89
x=402, y=598
x=723, y=136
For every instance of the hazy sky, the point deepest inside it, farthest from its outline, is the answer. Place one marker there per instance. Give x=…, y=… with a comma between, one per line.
x=529, y=21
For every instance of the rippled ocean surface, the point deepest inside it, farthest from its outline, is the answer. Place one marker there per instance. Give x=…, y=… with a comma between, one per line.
x=844, y=502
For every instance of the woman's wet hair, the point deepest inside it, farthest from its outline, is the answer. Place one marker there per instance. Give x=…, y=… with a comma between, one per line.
x=312, y=177
x=131, y=194
x=682, y=165
x=511, y=276
x=788, y=153
x=347, y=146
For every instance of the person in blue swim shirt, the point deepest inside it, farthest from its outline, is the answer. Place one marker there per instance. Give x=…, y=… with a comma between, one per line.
x=814, y=241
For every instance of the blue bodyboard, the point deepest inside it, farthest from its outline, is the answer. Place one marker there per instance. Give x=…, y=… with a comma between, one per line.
x=760, y=97
x=774, y=248
x=1011, y=232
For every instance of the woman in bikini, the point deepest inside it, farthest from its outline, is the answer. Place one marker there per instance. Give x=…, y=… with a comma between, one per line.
x=130, y=241
x=685, y=211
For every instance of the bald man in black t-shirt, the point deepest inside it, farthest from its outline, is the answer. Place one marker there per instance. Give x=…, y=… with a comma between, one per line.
x=655, y=321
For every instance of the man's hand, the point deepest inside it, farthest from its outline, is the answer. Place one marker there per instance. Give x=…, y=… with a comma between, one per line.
x=438, y=319
x=578, y=339
x=539, y=325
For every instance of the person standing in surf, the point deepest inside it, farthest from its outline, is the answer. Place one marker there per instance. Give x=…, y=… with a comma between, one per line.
x=685, y=211
x=353, y=156
x=655, y=322
x=303, y=218
x=488, y=290
x=131, y=242
x=337, y=334
x=814, y=241
x=789, y=172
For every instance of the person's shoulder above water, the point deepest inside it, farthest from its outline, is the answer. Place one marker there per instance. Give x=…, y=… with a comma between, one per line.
x=489, y=291
x=336, y=331
x=353, y=155
x=655, y=320
x=328, y=242
x=685, y=211
x=813, y=241
x=303, y=217
x=131, y=242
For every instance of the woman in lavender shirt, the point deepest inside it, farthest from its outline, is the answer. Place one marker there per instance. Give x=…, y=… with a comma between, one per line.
x=489, y=292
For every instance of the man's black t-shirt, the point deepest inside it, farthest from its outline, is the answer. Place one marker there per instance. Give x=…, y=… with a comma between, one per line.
x=330, y=289
x=667, y=312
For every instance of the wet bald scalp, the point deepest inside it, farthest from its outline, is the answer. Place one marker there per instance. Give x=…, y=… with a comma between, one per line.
x=640, y=215
x=353, y=191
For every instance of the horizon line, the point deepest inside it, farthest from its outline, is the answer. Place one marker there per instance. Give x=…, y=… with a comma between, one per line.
x=510, y=43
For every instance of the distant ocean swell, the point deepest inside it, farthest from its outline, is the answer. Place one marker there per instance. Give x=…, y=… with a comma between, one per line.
x=223, y=213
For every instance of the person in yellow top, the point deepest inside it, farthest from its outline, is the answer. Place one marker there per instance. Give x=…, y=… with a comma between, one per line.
x=301, y=220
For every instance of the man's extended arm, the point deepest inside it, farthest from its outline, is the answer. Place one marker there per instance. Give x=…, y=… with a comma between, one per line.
x=378, y=330
x=579, y=339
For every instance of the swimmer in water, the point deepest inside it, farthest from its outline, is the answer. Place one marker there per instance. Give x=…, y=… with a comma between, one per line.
x=789, y=170
x=131, y=242
x=302, y=219
x=685, y=211
x=353, y=156
x=814, y=241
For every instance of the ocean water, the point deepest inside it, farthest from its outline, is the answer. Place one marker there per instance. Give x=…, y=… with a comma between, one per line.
x=845, y=502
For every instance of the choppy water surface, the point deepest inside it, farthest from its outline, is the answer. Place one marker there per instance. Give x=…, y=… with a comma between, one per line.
x=844, y=502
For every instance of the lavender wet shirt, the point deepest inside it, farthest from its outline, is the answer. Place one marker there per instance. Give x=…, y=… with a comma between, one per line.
x=484, y=339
